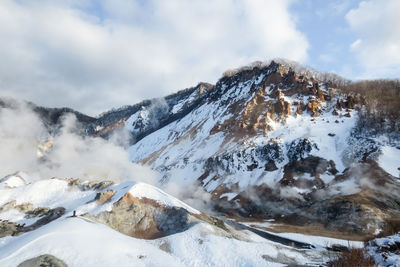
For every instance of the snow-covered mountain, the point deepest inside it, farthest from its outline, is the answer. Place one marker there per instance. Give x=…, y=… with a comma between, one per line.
x=281, y=162
x=268, y=142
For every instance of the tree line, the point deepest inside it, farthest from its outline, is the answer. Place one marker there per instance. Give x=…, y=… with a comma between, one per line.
x=380, y=109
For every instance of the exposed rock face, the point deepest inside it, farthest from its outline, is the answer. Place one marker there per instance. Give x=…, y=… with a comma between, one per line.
x=314, y=166
x=8, y=228
x=13, y=205
x=103, y=197
x=282, y=107
x=86, y=185
x=147, y=219
x=371, y=205
x=46, y=215
x=265, y=157
x=299, y=149
x=314, y=107
x=143, y=218
x=300, y=108
x=268, y=103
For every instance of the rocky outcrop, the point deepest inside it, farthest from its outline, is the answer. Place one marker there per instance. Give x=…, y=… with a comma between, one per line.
x=143, y=218
x=299, y=149
x=313, y=166
x=282, y=108
x=45, y=215
x=103, y=197
x=87, y=185
x=263, y=157
x=43, y=261
x=148, y=219
x=314, y=106
x=8, y=228
x=300, y=107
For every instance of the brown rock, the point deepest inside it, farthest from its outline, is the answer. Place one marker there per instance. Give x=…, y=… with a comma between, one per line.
x=104, y=197
x=143, y=218
x=282, y=108
x=302, y=105
x=313, y=106
x=321, y=94
x=288, y=110
x=269, y=128
x=299, y=111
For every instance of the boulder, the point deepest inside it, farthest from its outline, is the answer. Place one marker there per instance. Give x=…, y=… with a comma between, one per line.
x=143, y=218
x=43, y=261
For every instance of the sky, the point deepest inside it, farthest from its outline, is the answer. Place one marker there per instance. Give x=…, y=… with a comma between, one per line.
x=96, y=55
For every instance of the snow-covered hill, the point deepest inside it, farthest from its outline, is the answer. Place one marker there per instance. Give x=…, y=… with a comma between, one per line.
x=37, y=218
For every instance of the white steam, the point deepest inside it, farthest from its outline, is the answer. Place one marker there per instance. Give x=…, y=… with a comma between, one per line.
x=71, y=155
x=192, y=194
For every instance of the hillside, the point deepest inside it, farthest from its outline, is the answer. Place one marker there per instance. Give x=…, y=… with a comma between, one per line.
x=271, y=143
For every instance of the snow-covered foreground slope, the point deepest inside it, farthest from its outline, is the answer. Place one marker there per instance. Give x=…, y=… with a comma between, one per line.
x=80, y=242
x=30, y=229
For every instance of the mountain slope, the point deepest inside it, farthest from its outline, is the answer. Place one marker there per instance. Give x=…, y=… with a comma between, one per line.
x=269, y=142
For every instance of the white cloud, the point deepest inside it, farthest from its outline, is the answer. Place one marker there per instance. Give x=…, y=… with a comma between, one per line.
x=94, y=55
x=377, y=27
x=356, y=44
x=333, y=8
